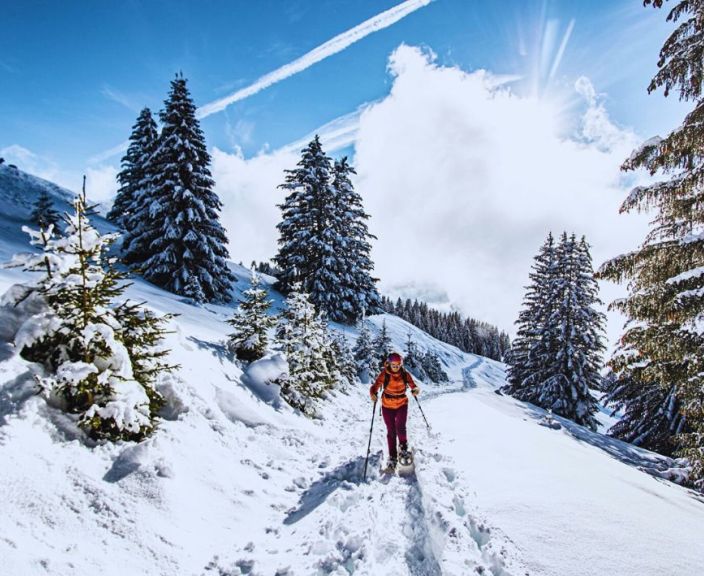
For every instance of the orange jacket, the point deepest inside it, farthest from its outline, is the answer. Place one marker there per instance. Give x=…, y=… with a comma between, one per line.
x=395, y=393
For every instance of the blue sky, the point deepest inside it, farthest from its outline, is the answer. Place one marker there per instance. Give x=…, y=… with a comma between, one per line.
x=75, y=74
x=463, y=172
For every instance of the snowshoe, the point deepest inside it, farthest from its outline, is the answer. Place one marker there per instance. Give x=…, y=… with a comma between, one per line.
x=405, y=463
x=390, y=467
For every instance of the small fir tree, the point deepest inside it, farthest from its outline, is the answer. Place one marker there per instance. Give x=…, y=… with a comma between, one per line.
x=43, y=213
x=251, y=323
x=413, y=359
x=101, y=359
x=302, y=336
x=364, y=355
x=382, y=347
x=340, y=361
x=433, y=368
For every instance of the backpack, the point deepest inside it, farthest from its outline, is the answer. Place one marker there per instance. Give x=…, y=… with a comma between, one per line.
x=387, y=377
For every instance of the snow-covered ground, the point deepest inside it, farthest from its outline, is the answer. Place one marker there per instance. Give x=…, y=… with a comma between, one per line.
x=235, y=482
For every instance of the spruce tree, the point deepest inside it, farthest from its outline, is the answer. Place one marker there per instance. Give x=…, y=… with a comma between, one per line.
x=302, y=336
x=532, y=320
x=382, y=346
x=364, y=355
x=43, y=213
x=574, y=337
x=412, y=359
x=341, y=361
x=324, y=240
x=433, y=368
x=557, y=354
x=663, y=342
x=251, y=323
x=181, y=245
x=101, y=359
x=358, y=293
x=303, y=243
x=136, y=174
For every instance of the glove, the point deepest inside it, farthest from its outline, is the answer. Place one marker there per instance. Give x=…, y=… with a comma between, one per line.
x=415, y=391
x=374, y=398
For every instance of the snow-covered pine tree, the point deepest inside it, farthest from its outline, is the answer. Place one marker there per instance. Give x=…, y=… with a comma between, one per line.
x=43, y=213
x=101, y=359
x=181, y=245
x=364, y=355
x=531, y=323
x=574, y=334
x=251, y=323
x=136, y=173
x=341, y=362
x=324, y=240
x=412, y=359
x=665, y=275
x=352, y=242
x=382, y=347
x=433, y=368
x=558, y=356
x=303, y=243
x=651, y=414
x=301, y=335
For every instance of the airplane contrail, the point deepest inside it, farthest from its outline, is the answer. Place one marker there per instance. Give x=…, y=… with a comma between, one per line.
x=333, y=46
x=329, y=48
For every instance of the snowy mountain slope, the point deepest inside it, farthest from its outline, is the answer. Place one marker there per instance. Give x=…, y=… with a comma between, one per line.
x=234, y=482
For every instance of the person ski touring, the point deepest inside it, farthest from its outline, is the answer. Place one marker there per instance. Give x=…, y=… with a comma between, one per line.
x=392, y=382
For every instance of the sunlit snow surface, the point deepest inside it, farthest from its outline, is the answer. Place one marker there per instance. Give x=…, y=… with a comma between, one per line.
x=234, y=482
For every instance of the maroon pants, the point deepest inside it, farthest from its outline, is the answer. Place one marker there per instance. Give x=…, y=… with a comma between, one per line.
x=395, y=420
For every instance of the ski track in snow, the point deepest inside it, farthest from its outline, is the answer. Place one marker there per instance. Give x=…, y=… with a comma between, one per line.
x=415, y=525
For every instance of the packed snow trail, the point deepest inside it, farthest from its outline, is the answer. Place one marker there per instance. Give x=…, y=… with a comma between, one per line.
x=419, y=525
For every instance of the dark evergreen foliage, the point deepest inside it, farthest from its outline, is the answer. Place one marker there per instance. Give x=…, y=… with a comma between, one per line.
x=651, y=413
x=102, y=358
x=135, y=176
x=176, y=240
x=43, y=213
x=468, y=334
x=251, y=323
x=556, y=356
x=324, y=242
x=663, y=344
x=381, y=345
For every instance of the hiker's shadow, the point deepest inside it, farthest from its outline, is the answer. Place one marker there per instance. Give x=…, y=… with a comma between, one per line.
x=344, y=477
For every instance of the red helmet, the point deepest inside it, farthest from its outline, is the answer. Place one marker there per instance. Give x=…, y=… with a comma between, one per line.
x=394, y=358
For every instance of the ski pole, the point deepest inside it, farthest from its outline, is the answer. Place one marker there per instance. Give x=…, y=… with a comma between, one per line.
x=421, y=412
x=370, y=441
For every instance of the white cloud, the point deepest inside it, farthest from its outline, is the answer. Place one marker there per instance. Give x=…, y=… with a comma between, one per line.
x=463, y=180
x=101, y=183
x=249, y=193
x=37, y=165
